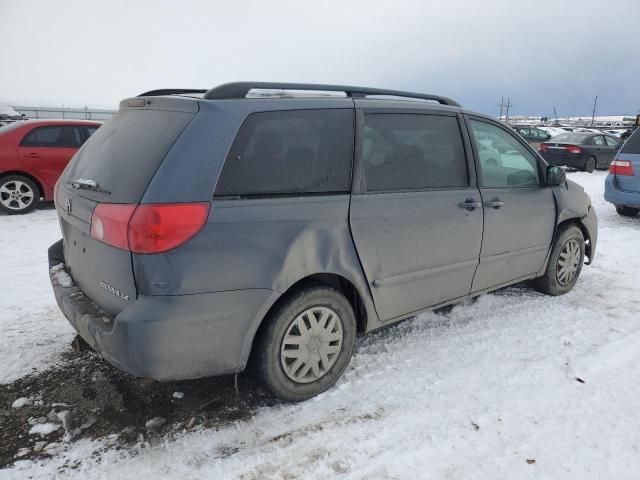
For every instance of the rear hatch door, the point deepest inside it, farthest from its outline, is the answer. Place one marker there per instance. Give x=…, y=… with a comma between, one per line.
x=114, y=166
x=630, y=151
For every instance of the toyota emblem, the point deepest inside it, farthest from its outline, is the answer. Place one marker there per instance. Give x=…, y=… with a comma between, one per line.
x=67, y=205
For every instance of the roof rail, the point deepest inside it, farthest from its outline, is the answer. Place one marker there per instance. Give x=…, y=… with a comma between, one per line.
x=171, y=91
x=241, y=89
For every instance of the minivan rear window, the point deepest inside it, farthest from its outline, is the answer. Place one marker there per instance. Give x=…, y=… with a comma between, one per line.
x=123, y=155
x=290, y=152
x=632, y=145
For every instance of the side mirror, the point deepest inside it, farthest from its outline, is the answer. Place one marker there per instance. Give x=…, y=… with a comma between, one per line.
x=555, y=176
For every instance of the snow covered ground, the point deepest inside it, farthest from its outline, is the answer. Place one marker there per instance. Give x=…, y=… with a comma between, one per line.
x=514, y=386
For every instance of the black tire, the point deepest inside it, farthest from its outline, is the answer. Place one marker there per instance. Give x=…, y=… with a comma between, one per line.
x=15, y=190
x=550, y=283
x=268, y=361
x=590, y=164
x=627, y=211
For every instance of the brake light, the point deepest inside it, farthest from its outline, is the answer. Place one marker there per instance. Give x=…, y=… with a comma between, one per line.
x=151, y=228
x=158, y=228
x=110, y=223
x=621, y=167
x=573, y=149
x=543, y=147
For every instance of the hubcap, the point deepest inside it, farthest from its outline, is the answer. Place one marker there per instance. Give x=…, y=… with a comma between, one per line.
x=16, y=195
x=311, y=344
x=568, y=262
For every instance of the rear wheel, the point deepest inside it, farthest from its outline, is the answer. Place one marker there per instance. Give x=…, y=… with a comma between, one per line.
x=627, y=211
x=590, y=165
x=307, y=343
x=565, y=263
x=18, y=194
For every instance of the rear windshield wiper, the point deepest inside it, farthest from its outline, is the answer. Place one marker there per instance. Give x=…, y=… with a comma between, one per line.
x=83, y=184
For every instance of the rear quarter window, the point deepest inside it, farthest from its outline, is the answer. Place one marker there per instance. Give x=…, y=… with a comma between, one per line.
x=290, y=152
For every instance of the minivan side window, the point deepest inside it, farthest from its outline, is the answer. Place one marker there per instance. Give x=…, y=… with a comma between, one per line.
x=409, y=152
x=290, y=152
x=53, y=136
x=503, y=160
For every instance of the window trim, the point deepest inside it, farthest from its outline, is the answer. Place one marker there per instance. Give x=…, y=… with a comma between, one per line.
x=41, y=127
x=360, y=183
x=541, y=163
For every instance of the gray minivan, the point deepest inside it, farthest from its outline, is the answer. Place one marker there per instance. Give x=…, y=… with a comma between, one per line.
x=265, y=225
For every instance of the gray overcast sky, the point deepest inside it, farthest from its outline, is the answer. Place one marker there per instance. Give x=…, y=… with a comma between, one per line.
x=541, y=53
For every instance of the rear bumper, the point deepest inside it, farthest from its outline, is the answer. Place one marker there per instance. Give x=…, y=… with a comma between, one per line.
x=164, y=337
x=577, y=161
x=619, y=197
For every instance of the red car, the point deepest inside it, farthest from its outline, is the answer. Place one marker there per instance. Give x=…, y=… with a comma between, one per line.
x=33, y=154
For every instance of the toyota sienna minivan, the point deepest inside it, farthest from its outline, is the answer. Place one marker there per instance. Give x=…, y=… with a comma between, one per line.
x=265, y=225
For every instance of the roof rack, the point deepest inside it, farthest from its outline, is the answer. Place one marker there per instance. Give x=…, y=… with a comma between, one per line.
x=171, y=91
x=241, y=89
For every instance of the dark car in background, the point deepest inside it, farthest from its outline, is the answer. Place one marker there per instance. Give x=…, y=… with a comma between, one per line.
x=533, y=135
x=207, y=231
x=581, y=150
x=33, y=154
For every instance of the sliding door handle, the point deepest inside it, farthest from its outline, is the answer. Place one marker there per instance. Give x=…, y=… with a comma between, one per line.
x=470, y=204
x=494, y=203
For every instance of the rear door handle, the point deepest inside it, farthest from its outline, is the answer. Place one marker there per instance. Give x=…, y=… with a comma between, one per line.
x=34, y=155
x=470, y=204
x=494, y=203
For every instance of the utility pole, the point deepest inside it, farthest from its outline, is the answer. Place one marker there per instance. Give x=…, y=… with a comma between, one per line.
x=508, y=105
x=555, y=114
x=593, y=115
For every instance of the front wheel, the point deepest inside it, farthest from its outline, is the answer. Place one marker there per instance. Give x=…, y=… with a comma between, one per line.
x=590, y=165
x=627, y=211
x=18, y=194
x=565, y=263
x=307, y=343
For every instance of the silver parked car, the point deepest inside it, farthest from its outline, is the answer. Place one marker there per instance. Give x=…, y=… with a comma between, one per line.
x=253, y=225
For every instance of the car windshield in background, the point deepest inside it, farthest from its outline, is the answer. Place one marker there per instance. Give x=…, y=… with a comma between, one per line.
x=571, y=137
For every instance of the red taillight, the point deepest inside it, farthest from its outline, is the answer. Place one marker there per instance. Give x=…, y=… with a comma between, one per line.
x=161, y=227
x=110, y=223
x=573, y=149
x=621, y=167
x=152, y=228
x=543, y=147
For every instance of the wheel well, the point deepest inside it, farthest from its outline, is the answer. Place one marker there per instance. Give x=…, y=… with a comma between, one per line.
x=23, y=174
x=334, y=280
x=583, y=229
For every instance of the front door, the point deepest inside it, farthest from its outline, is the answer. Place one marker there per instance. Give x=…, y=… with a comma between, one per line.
x=417, y=221
x=519, y=210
